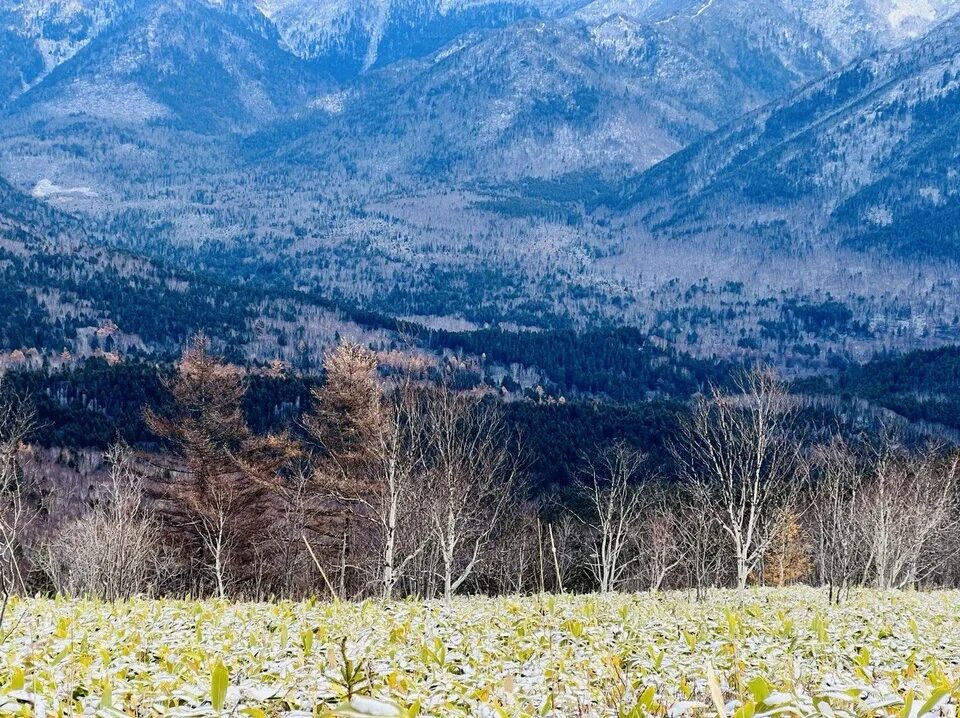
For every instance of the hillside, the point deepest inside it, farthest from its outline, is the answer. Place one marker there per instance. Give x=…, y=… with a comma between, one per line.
x=708, y=172
x=68, y=294
x=195, y=65
x=864, y=157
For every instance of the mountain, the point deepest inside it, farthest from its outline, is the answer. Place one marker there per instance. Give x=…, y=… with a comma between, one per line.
x=38, y=35
x=768, y=46
x=603, y=87
x=856, y=28
x=866, y=156
x=847, y=29
x=536, y=99
x=439, y=161
x=348, y=38
x=199, y=65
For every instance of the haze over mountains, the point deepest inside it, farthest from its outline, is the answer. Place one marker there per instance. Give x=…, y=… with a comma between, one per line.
x=760, y=178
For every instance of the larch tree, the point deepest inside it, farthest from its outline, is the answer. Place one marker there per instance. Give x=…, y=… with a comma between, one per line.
x=371, y=442
x=229, y=474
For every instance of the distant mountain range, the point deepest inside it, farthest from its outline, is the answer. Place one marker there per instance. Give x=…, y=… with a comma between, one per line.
x=703, y=169
x=867, y=156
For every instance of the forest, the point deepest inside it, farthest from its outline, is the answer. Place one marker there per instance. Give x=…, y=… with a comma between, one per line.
x=377, y=482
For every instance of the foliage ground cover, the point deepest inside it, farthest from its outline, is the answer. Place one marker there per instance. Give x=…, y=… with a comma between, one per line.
x=766, y=652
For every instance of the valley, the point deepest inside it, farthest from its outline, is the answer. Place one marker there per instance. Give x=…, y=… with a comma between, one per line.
x=539, y=165
x=480, y=357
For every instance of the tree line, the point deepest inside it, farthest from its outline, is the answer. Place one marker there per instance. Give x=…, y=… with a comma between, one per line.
x=404, y=485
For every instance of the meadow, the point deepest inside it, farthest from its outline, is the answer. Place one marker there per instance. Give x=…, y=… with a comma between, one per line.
x=761, y=653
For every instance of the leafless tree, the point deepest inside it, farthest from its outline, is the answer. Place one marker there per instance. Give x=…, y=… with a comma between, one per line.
x=609, y=484
x=518, y=555
x=471, y=473
x=702, y=544
x=111, y=552
x=908, y=504
x=17, y=422
x=567, y=550
x=739, y=458
x=836, y=501
x=659, y=547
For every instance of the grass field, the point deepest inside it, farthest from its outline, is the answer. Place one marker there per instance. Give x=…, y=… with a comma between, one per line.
x=770, y=653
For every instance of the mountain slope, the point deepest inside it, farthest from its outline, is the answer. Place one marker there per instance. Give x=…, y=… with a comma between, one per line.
x=601, y=87
x=767, y=45
x=38, y=35
x=847, y=29
x=193, y=64
x=348, y=37
x=867, y=156
x=539, y=98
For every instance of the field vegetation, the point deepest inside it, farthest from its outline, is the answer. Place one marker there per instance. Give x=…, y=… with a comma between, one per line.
x=764, y=652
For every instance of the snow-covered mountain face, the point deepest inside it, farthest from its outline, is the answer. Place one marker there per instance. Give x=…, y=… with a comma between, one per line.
x=862, y=26
x=866, y=156
x=445, y=90
x=536, y=99
x=38, y=35
x=841, y=29
x=59, y=28
x=349, y=37
x=208, y=66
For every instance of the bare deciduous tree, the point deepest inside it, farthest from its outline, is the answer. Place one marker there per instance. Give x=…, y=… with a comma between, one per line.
x=738, y=455
x=566, y=542
x=659, y=541
x=702, y=546
x=111, y=552
x=834, y=516
x=617, y=504
x=17, y=422
x=909, y=501
x=471, y=473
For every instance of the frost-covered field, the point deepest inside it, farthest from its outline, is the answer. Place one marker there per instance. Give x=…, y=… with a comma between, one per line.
x=776, y=652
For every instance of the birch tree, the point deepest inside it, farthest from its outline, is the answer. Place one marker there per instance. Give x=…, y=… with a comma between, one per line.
x=909, y=504
x=738, y=456
x=659, y=544
x=836, y=499
x=616, y=503
x=471, y=474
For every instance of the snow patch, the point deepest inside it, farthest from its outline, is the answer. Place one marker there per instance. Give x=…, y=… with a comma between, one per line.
x=880, y=216
x=332, y=103
x=932, y=194
x=47, y=189
x=124, y=102
x=904, y=11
